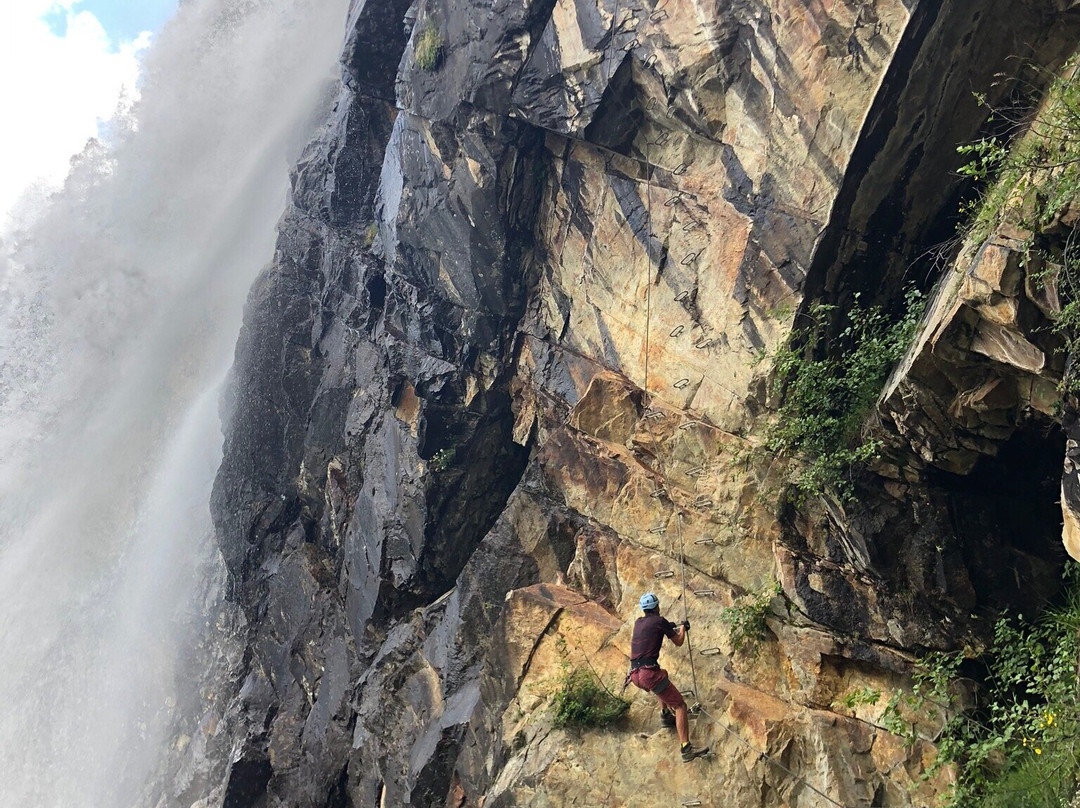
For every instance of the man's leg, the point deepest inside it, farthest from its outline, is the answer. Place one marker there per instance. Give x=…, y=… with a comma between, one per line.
x=670, y=697
x=682, y=724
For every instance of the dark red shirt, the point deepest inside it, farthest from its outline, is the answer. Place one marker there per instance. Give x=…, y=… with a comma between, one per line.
x=649, y=633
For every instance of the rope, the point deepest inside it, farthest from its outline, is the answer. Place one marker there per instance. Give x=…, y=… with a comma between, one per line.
x=648, y=294
x=685, y=606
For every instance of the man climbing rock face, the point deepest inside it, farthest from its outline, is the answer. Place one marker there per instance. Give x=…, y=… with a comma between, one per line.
x=646, y=673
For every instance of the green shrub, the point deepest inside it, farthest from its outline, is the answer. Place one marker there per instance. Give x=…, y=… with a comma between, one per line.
x=443, y=459
x=1019, y=748
x=429, y=48
x=746, y=619
x=826, y=399
x=582, y=700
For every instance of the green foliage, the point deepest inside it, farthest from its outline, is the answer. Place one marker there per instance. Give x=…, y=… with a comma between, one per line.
x=1036, y=182
x=582, y=700
x=1019, y=748
x=367, y=238
x=928, y=701
x=1039, y=177
x=746, y=619
x=429, y=48
x=826, y=399
x=861, y=696
x=443, y=459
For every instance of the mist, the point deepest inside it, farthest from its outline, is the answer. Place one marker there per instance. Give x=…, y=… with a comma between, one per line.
x=120, y=302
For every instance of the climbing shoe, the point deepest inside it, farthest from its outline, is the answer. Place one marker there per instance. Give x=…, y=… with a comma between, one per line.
x=690, y=752
x=667, y=719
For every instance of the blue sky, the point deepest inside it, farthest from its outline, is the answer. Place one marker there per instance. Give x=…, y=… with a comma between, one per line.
x=122, y=19
x=75, y=63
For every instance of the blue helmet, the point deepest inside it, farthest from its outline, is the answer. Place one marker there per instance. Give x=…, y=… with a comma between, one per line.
x=648, y=602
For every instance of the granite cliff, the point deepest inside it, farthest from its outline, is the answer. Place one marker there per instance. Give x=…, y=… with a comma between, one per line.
x=503, y=375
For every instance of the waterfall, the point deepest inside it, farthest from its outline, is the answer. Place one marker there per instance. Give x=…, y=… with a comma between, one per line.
x=120, y=302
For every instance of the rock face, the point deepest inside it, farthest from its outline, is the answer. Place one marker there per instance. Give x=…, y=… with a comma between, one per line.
x=502, y=377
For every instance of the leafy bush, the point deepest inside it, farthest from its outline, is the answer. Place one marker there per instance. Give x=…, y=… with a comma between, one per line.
x=825, y=400
x=429, y=48
x=746, y=619
x=583, y=701
x=1019, y=749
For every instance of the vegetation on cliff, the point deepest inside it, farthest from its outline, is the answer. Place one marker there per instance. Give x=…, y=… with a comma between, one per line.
x=1019, y=744
x=825, y=397
x=582, y=700
x=429, y=48
x=746, y=618
x=1036, y=186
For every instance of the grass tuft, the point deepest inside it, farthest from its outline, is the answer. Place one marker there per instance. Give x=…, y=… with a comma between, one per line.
x=429, y=48
x=582, y=701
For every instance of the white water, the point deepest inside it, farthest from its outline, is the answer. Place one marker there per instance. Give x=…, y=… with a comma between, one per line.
x=119, y=308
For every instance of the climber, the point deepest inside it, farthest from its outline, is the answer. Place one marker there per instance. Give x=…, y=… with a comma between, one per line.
x=646, y=673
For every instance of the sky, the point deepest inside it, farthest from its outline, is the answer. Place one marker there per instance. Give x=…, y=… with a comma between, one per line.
x=65, y=67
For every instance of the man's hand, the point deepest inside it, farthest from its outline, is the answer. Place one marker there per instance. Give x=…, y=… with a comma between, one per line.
x=685, y=625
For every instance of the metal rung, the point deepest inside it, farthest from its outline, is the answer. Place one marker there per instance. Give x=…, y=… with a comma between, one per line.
x=689, y=803
x=681, y=384
x=651, y=103
x=650, y=62
x=697, y=471
x=677, y=330
x=688, y=425
x=658, y=493
x=664, y=574
x=703, y=502
x=633, y=44
x=704, y=593
x=654, y=414
x=703, y=343
x=677, y=197
x=683, y=295
x=686, y=228
x=710, y=651
x=659, y=530
x=680, y=169
x=706, y=542
x=687, y=692
x=658, y=16
x=663, y=138
x=691, y=257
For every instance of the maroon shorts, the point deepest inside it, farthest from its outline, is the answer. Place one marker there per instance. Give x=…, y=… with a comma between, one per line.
x=656, y=681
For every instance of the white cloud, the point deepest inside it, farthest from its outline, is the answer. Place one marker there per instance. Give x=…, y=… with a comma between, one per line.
x=55, y=90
